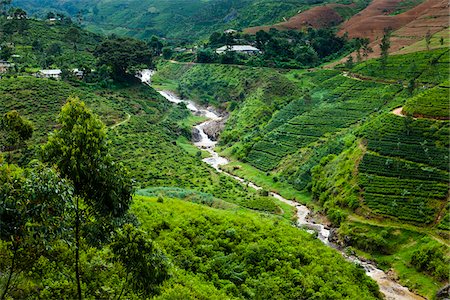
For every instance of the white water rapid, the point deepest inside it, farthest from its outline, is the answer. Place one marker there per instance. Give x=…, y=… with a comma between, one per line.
x=388, y=287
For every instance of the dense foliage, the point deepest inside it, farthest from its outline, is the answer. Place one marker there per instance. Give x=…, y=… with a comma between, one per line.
x=280, y=49
x=248, y=255
x=180, y=19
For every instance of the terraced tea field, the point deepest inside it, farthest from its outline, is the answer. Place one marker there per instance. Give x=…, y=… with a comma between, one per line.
x=345, y=102
x=405, y=173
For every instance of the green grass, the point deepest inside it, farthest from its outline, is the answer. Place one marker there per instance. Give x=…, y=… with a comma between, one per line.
x=266, y=181
x=187, y=146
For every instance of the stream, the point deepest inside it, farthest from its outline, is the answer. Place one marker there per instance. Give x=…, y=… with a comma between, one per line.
x=388, y=287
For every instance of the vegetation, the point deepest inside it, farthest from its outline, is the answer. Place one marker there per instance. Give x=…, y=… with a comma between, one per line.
x=280, y=49
x=432, y=103
x=426, y=67
x=185, y=20
x=66, y=230
x=248, y=255
x=46, y=45
x=393, y=247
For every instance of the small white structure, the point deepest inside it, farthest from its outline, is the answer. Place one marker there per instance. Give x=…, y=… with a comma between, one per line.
x=239, y=48
x=230, y=31
x=55, y=73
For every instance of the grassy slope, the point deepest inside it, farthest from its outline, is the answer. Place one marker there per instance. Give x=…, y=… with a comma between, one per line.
x=247, y=254
x=47, y=34
x=175, y=19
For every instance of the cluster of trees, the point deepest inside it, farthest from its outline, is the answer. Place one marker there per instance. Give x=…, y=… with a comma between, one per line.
x=291, y=49
x=76, y=194
x=431, y=258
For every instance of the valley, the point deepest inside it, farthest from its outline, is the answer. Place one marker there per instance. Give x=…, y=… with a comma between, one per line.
x=224, y=149
x=388, y=287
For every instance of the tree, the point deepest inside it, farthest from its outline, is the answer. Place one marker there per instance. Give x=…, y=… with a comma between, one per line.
x=385, y=46
x=156, y=46
x=6, y=52
x=167, y=52
x=54, y=49
x=51, y=15
x=206, y=56
x=306, y=55
x=349, y=63
x=428, y=40
x=262, y=38
x=73, y=36
x=14, y=131
x=33, y=211
x=124, y=56
x=80, y=150
x=146, y=266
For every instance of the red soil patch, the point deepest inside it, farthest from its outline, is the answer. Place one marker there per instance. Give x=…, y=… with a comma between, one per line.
x=316, y=17
x=408, y=27
x=371, y=21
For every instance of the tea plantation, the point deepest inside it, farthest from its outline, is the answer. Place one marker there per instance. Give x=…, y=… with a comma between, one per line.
x=406, y=175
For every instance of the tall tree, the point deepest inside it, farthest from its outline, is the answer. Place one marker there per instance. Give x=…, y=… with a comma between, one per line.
x=124, y=56
x=146, y=266
x=80, y=151
x=34, y=209
x=385, y=45
x=428, y=39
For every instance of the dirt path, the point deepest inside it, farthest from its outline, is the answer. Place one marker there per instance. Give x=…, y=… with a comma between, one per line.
x=121, y=122
x=398, y=112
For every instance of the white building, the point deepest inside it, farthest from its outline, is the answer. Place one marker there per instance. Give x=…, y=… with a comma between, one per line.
x=55, y=73
x=239, y=48
x=230, y=31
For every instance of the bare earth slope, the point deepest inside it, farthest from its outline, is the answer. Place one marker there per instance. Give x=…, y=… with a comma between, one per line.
x=316, y=17
x=408, y=27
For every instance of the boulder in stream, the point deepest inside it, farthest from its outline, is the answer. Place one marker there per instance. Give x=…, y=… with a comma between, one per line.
x=196, y=137
x=214, y=128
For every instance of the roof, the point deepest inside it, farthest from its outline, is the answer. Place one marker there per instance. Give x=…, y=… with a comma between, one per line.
x=51, y=72
x=238, y=48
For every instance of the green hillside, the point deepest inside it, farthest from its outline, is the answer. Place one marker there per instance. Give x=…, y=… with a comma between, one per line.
x=181, y=19
x=47, y=45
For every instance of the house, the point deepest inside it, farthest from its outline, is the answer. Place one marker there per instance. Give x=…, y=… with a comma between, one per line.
x=55, y=73
x=239, y=49
x=4, y=66
x=230, y=31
